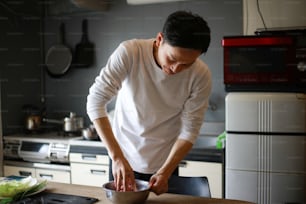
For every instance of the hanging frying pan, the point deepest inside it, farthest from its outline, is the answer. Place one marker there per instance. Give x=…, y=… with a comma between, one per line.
x=59, y=57
x=84, y=51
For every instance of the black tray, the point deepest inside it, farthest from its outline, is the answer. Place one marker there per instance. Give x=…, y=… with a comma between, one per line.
x=56, y=198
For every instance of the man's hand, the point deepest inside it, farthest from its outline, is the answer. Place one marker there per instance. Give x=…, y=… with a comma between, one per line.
x=123, y=175
x=159, y=183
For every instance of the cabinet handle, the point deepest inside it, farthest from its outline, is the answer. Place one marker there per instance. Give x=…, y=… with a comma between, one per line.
x=46, y=176
x=89, y=157
x=183, y=164
x=25, y=173
x=97, y=172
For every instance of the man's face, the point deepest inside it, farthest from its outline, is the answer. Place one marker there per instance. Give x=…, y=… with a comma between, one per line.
x=173, y=60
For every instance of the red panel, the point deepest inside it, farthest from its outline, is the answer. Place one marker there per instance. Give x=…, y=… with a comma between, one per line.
x=256, y=41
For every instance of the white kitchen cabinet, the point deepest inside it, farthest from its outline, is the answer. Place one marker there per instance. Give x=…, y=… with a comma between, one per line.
x=212, y=170
x=53, y=175
x=89, y=169
x=62, y=176
x=18, y=171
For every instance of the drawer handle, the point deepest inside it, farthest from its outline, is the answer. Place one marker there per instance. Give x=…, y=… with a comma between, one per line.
x=183, y=164
x=25, y=173
x=97, y=172
x=89, y=157
x=46, y=176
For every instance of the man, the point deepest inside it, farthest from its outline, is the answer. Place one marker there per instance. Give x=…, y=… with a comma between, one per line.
x=162, y=90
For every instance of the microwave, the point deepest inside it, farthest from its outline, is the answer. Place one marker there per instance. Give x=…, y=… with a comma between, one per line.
x=265, y=62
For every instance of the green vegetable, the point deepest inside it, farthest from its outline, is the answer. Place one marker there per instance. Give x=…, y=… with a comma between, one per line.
x=13, y=190
x=30, y=190
x=8, y=188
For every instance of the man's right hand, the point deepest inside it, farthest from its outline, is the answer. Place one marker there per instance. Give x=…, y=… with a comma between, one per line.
x=123, y=175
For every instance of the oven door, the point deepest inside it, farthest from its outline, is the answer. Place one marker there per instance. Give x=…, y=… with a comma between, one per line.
x=256, y=62
x=35, y=151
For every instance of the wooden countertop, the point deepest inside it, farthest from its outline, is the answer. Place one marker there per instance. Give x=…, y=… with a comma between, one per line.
x=166, y=198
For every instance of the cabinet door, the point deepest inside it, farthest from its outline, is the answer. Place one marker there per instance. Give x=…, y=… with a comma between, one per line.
x=213, y=171
x=18, y=171
x=53, y=175
x=89, y=158
x=89, y=174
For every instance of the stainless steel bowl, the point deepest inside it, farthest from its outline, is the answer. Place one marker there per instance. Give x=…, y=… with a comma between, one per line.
x=127, y=197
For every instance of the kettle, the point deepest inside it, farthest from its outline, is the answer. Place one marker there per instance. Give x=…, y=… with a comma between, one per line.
x=33, y=118
x=90, y=133
x=33, y=122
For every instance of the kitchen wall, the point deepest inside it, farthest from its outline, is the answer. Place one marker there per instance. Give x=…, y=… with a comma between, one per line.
x=20, y=60
x=275, y=14
x=121, y=22
x=106, y=30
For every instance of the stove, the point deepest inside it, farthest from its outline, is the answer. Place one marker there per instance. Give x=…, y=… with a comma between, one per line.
x=45, y=148
x=81, y=145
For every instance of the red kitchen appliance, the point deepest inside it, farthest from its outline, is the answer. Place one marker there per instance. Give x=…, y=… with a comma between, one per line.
x=268, y=61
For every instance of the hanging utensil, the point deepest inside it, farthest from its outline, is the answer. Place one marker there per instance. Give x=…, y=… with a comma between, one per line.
x=84, y=51
x=59, y=56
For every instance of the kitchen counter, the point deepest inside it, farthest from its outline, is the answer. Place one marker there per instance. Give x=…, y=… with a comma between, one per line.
x=203, y=150
x=166, y=198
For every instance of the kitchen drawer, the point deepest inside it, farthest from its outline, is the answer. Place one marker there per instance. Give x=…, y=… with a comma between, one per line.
x=89, y=158
x=89, y=174
x=18, y=171
x=212, y=170
x=52, y=175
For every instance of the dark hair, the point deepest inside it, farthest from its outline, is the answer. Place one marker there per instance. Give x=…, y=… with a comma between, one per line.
x=187, y=30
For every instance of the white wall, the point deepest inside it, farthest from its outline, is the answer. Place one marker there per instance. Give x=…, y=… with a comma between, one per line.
x=276, y=13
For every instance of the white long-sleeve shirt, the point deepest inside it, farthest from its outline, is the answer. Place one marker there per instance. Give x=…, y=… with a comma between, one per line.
x=153, y=109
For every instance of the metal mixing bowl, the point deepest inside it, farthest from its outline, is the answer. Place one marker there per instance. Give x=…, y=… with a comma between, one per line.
x=127, y=197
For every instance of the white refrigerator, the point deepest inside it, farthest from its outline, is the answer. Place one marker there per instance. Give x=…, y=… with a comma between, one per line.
x=266, y=147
